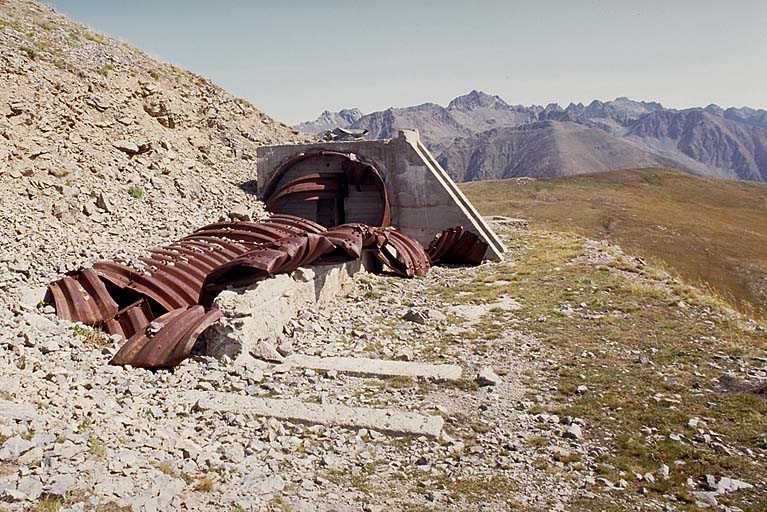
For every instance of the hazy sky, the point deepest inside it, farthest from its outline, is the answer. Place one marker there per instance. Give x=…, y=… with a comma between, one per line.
x=294, y=59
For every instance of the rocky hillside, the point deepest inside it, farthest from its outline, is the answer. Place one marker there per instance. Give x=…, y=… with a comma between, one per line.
x=479, y=136
x=105, y=150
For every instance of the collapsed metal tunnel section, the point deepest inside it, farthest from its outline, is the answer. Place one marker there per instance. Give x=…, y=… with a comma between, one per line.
x=162, y=305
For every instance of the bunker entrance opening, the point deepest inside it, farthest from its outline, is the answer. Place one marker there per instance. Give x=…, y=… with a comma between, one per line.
x=330, y=188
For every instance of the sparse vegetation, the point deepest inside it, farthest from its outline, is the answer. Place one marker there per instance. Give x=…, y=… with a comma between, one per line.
x=166, y=468
x=538, y=441
x=30, y=52
x=92, y=337
x=112, y=507
x=634, y=405
x=398, y=382
x=94, y=37
x=46, y=504
x=45, y=24
x=136, y=192
x=104, y=69
x=73, y=39
x=205, y=484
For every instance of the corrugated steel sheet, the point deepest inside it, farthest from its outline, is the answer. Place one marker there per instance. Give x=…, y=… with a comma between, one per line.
x=285, y=189
x=307, y=188
x=170, y=343
x=130, y=320
x=83, y=298
x=401, y=253
x=298, y=223
x=457, y=245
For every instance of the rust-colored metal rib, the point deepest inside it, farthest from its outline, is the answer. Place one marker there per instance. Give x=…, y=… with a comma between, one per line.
x=308, y=187
x=130, y=320
x=297, y=223
x=457, y=245
x=83, y=298
x=171, y=343
x=316, y=185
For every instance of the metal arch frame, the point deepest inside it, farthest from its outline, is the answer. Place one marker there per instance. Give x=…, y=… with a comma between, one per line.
x=352, y=174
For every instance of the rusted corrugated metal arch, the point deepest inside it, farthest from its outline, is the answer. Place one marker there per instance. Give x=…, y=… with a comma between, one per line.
x=318, y=185
x=457, y=245
x=162, y=308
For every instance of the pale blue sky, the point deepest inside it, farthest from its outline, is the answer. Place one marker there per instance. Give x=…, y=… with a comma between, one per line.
x=294, y=59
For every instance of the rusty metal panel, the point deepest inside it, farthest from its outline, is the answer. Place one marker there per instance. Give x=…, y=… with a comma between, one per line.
x=130, y=320
x=457, y=245
x=402, y=254
x=83, y=298
x=215, y=249
x=232, y=235
x=286, y=189
x=281, y=256
x=169, y=292
x=170, y=343
x=117, y=274
x=348, y=239
x=307, y=187
x=178, y=281
x=297, y=223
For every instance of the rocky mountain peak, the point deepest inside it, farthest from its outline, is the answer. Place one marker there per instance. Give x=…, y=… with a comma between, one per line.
x=480, y=136
x=328, y=120
x=476, y=99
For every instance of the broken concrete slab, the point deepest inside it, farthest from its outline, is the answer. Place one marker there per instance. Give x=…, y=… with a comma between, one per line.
x=31, y=297
x=375, y=367
x=473, y=313
x=258, y=313
x=424, y=200
x=487, y=377
x=17, y=411
x=384, y=420
x=508, y=221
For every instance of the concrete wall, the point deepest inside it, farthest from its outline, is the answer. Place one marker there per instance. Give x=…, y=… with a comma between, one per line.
x=424, y=199
x=259, y=313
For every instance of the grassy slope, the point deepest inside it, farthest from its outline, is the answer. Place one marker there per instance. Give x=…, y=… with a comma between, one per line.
x=597, y=313
x=714, y=231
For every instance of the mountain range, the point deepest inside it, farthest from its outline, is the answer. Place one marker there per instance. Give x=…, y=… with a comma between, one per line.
x=480, y=136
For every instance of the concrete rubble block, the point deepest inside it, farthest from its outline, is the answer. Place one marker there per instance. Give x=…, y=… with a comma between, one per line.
x=17, y=411
x=487, y=377
x=376, y=367
x=256, y=315
x=14, y=447
x=383, y=420
x=31, y=297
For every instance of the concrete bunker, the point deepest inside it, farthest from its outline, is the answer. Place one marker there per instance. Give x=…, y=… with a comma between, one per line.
x=334, y=205
x=362, y=180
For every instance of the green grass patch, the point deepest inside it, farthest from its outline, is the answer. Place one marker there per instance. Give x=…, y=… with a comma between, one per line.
x=136, y=192
x=705, y=230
